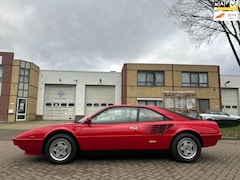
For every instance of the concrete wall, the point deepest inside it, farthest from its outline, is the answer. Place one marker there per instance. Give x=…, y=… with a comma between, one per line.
x=80, y=80
x=230, y=86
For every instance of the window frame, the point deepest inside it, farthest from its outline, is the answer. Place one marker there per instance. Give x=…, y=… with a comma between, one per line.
x=195, y=79
x=161, y=116
x=95, y=119
x=133, y=118
x=151, y=101
x=24, y=79
x=150, y=78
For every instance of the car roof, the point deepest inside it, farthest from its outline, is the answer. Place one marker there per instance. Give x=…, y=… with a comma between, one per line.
x=171, y=114
x=136, y=105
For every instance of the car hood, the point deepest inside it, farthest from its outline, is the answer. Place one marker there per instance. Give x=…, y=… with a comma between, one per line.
x=42, y=132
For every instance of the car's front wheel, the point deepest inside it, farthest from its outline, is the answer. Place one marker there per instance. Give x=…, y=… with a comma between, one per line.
x=186, y=148
x=61, y=148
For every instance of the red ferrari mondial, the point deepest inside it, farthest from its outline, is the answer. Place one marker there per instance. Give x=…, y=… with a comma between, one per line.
x=122, y=127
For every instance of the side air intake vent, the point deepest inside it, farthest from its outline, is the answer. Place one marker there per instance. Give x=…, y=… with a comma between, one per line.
x=160, y=129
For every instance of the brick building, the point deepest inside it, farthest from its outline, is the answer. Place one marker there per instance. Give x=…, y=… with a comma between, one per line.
x=28, y=93
x=18, y=88
x=145, y=83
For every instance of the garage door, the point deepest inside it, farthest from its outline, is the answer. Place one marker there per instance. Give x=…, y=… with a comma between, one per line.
x=59, y=102
x=230, y=101
x=98, y=97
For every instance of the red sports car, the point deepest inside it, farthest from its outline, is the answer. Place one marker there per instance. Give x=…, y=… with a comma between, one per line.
x=122, y=127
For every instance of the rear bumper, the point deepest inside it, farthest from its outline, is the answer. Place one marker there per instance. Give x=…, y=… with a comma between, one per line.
x=211, y=139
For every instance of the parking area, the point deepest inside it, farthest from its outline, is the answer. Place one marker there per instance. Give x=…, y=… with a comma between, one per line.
x=220, y=162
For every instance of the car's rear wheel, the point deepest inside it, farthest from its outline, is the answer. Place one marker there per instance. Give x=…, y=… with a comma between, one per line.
x=186, y=148
x=61, y=148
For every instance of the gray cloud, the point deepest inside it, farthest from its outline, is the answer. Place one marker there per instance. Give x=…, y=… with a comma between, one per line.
x=101, y=35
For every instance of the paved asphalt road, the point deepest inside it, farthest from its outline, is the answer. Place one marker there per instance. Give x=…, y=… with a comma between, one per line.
x=221, y=162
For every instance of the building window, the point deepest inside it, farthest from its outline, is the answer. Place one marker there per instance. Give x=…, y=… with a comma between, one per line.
x=96, y=104
x=158, y=103
x=1, y=72
x=24, y=76
x=150, y=78
x=194, y=79
x=71, y=104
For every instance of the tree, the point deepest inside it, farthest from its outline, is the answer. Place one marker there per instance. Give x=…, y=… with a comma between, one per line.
x=196, y=18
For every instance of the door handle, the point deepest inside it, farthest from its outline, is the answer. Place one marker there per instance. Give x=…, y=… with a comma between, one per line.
x=134, y=128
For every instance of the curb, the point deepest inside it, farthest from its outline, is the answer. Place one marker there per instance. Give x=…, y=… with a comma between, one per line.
x=230, y=138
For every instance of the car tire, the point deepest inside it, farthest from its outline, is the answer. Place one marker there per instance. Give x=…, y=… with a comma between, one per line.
x=61, y=149
x=186, y=148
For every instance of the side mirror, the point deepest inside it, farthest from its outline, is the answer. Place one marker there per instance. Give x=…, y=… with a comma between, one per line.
x=88, y=121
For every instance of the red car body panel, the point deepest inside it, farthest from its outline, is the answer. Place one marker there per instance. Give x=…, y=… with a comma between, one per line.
x=123, y=136
x=107, y=137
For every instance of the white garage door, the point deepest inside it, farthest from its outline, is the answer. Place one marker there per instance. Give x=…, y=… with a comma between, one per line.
x=230, y=101
x=59, y=102
x=98, y=97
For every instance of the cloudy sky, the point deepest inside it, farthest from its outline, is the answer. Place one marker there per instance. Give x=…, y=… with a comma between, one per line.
x=102, y=35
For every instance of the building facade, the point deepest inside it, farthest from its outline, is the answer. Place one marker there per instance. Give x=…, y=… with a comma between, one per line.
x=69, y=95
x=27, y=93
x=146, y=83
x=18, y=89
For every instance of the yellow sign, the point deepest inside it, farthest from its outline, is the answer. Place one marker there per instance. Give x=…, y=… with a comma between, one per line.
x=226, y=10
x=235, y=8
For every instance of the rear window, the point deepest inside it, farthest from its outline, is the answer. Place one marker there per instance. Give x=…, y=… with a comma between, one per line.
x=180, y=114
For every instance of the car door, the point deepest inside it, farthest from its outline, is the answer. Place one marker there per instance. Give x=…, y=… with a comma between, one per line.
x=113, y=129
x=152, y=127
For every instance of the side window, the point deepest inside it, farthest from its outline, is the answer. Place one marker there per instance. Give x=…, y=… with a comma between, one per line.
x=116, y=115
x=147, y=115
